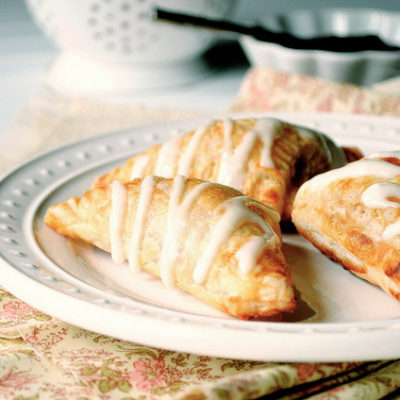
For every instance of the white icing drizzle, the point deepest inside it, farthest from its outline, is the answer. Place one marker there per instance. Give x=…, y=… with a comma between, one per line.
x=186, y=160
x=234, y=161
x=248, y=254
x=139, y=166
x=364, y=167
x=235, y=214
x=391, y=231
x=187, y=203
x=228, y=129
x=267, y=129
x=169, y=245
x=176, y=223
x=167, y=157
x=146, y=194
x=384, y=154
x=118, y=206
x=223, y=174
x=378, y=196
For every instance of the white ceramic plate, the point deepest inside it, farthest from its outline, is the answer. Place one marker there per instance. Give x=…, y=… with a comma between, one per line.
x=339, y=316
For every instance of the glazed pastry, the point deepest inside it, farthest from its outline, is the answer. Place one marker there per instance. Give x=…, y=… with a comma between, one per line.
x=208, y=239
x=352, y=214
x=265, y=158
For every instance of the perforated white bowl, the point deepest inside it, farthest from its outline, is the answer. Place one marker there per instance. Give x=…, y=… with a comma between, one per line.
x=363, y=67
x=114, y=45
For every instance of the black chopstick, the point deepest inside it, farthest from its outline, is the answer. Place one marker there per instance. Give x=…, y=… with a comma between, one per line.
x=327, y=43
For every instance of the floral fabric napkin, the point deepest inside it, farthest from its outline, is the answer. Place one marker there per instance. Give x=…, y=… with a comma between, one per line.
x=42, y=357
x=264, y=89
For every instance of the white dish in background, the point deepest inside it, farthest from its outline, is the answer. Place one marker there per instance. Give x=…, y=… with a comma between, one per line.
x=363, y=67
x=339, y=317
x=115, y=46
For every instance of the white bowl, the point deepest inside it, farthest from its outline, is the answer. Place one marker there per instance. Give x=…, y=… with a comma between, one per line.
x=113, y=45
x=363, y=67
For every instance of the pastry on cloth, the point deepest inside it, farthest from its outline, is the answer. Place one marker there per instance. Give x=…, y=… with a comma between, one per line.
x=352, y=214
x=208, y=239
x=264, y=158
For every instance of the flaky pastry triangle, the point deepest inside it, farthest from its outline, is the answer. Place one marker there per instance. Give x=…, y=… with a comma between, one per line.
x=264, y=158
x=208, y=239
x=353, y=215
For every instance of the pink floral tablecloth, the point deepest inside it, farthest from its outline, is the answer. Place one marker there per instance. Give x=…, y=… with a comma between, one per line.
x=44, y=358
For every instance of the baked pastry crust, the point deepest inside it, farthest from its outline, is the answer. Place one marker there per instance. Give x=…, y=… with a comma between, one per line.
x=245, y=287
x=353, y=215
x=265, y=158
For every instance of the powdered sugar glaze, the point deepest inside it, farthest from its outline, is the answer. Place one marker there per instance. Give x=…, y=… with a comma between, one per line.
x=233, y=162
x=385, y=194
x=234, y=214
